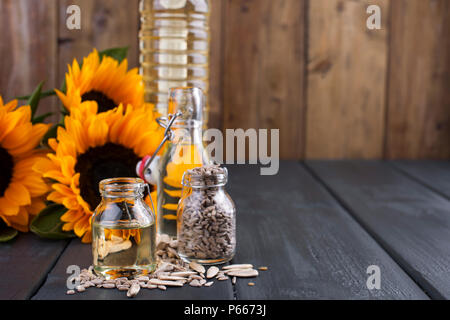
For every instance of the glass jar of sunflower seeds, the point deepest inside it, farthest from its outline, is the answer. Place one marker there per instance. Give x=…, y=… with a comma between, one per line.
x=206, y=217
x=123, y=230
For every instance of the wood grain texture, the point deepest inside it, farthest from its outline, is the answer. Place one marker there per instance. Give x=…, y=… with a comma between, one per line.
x=25, y=263
x=104, y=25
x=312, y=247
x=217, y=25
x=434, y=174
x=419, y=80
x=410, y=221
x=347, y=66
x=28, y=48
x=264, y=69
x=81, y=255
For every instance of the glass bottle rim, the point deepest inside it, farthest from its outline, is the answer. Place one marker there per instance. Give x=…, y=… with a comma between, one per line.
x=190, y=101
x=122, y=187
x=196, y=181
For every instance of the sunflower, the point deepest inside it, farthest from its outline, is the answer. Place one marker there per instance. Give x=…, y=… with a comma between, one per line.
x=102, y=80
x=21, y=189
x=95, y=146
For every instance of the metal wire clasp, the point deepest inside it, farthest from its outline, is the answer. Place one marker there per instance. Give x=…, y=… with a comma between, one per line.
x=166, y=123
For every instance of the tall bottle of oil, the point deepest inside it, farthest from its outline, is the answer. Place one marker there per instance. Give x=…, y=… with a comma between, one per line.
x=174, y=45
x=184, y=152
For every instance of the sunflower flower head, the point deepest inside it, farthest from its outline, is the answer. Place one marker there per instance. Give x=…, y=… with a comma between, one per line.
x=21, y=189
x=103, y=80
x=94, y=146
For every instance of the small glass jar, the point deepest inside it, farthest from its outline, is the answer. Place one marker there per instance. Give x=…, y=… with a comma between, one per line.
x=123, y=230
x=206, y=226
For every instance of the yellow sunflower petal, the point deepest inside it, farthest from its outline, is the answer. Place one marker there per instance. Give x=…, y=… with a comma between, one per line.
x=72, y=215
x=18, y=194
x=8, y=208
x=81, y=226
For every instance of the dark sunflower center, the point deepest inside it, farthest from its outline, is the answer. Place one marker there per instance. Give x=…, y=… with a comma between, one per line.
x=104, y=103
x=97, y=164
x=6, y=167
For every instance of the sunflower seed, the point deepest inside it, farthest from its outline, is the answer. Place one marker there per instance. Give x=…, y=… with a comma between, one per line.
x=223, y=278
x=108, y=285
x=197, y=267
x=171, y=278
x=212, y=272
x=209, y=284
x=173, y=244
x=81, y=288
x=233, y=281
x=162, y=288
x=195, y=283
x=134, y=290
x=166, y=283
x=122, y=288
x=196, y=277
x=183, y=273
x=151, y=286
x=238, y=266
x=246, y=273
x=70, y=292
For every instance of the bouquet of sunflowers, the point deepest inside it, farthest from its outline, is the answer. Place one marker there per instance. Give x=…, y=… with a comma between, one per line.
x=50, y=173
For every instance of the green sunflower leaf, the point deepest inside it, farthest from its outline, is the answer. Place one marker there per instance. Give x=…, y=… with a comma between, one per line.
x=116, y=53
x=7, y=233
x=33, y=102
x=48, y=223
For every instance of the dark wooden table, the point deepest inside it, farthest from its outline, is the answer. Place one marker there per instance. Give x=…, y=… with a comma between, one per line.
x=317, y=225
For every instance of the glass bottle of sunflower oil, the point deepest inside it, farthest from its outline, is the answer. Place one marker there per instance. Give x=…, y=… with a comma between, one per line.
x=123, y=230
x=174, y=45
x=184, y=152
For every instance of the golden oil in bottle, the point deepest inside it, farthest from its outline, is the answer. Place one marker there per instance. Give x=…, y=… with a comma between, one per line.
x=174, y=47
x=123, y=251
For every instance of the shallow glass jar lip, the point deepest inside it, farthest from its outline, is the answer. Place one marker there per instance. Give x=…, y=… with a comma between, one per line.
x=122, y=186
x=197, y=180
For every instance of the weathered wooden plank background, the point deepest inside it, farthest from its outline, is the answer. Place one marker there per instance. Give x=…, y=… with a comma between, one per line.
x=308, y=67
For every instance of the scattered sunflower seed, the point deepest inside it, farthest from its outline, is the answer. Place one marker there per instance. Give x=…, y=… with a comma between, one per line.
x=134, y=290
x=81, y=288
x=212, y=272
x=197, y=267
x=195, y=283
x=238, y=266
x=159, y=282
x=171, y=271
x=247, y=273
x=263, y=268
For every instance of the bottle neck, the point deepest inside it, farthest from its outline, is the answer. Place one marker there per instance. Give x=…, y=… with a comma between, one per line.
x=188, y=134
